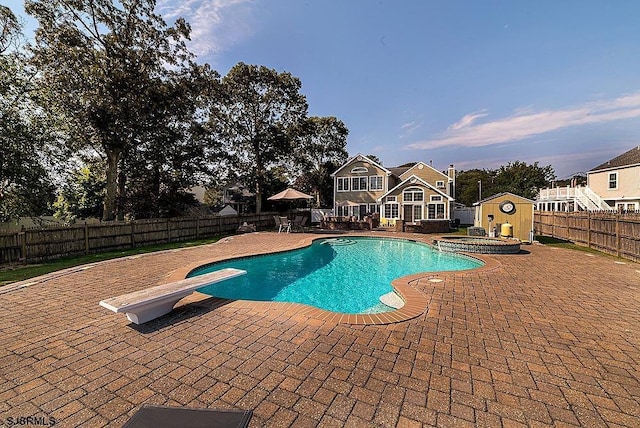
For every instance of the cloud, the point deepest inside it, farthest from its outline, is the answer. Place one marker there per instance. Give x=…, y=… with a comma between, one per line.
x=409, y=128
x=528, y=123
x=217, y=25
x=466, y=120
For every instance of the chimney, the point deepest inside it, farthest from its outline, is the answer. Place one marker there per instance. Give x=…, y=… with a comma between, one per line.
x=451, y=173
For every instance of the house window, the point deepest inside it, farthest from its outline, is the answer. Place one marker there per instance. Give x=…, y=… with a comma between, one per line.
x=391, y=210
x=375, y=182
x=374, y=208
x=343, y=184
x=435, y=211
x=440, y=184
x=436, y=198
x=359, y=170
x=391, y=199
x=413, y=194
x=358, y=183
x=613, y=180
x=417, y=213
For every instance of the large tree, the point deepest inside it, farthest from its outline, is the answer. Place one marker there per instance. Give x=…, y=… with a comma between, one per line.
x=523, y=179
x=25, y=185
x=101, y=62
x=515, y=177
x=256, y=118
x=178, y=154
x=322, y=146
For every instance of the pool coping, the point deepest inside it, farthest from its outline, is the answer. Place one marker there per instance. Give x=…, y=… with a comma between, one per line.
x=415, y=305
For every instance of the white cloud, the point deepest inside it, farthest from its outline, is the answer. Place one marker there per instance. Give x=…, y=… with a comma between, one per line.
x=217, y=25
x=466, y=120
x=409, y=128
x=527, y=123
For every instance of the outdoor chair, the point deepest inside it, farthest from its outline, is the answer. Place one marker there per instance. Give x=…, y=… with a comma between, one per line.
x=299, y=223
x=283, y=224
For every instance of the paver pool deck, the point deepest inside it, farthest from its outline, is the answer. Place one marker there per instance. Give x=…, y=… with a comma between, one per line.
x=548, y=337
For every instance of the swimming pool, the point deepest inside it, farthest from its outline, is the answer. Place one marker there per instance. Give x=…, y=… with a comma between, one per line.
x=345, y=275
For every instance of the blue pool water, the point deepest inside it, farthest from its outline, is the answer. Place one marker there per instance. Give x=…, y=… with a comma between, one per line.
x=340, y=274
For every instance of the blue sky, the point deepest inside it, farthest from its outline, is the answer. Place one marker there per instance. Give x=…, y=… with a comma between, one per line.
x=474, y=83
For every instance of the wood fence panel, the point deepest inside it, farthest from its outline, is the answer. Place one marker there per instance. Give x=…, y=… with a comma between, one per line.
x=10, y=247
x=49, y=243
x=616, y=233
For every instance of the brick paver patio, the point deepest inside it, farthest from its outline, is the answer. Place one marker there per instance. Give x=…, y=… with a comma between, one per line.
x=549, y=338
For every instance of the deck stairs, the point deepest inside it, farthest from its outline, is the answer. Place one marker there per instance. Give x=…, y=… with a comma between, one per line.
x=588, y=200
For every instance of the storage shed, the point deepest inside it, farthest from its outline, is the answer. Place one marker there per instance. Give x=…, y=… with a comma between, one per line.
x=495, y=211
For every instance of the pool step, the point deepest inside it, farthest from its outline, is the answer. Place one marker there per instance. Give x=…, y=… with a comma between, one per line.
x=392, y=299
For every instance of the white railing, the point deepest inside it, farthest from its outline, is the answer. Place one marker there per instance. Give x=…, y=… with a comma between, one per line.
x=557, y=193
x=585, y=198
x=596, y=199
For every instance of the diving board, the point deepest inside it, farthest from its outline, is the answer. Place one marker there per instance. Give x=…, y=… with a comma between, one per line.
x=148, y=304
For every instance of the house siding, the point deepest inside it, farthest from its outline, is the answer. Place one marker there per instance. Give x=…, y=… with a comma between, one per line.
x=628, y=184
x=366, y=197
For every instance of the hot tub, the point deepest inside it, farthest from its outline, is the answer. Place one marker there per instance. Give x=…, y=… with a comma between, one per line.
x=481, y=245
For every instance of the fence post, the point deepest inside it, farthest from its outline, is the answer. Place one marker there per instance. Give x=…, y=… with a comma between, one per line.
x=168, y=230
x=133, y=234
x=617, y=234
x=197, y=227
x=553, y=224
x=588, y=229
x=86, y=238
x=23, y=245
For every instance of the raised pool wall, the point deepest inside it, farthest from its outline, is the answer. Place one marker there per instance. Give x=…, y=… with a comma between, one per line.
x=477, y=245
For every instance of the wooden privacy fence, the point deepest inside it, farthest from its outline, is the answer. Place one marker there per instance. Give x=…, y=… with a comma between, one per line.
x=34, y=245
x=611, y=232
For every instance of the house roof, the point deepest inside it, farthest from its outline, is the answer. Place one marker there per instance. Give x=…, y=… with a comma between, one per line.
x=359, y=156
x=412, y=180
x=399, y=170
x=497, y=195
x=420, y=165
x=632, y=157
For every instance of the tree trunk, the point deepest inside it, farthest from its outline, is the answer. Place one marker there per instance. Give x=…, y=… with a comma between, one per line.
x=109, y=211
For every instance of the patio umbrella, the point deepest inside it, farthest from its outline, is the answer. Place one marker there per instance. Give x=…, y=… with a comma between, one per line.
x=289, y=194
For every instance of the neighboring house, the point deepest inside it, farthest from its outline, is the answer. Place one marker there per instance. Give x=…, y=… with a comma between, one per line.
x=613, y=185
x=410, y=193
x=617, y=181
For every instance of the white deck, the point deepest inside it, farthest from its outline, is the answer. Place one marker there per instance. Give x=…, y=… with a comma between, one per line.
x=144, y=305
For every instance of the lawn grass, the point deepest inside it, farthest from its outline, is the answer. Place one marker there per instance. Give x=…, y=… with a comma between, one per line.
x=15, y=273
x=561, y=243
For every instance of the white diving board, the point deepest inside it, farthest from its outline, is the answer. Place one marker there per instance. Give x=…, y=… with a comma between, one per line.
x=148, y=304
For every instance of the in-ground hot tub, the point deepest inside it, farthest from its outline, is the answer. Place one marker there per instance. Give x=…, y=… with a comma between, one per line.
x=480, y=244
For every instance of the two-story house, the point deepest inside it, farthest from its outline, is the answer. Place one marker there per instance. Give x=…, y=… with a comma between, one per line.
x=412, y=193
x=617, y=181
x=615, y=184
